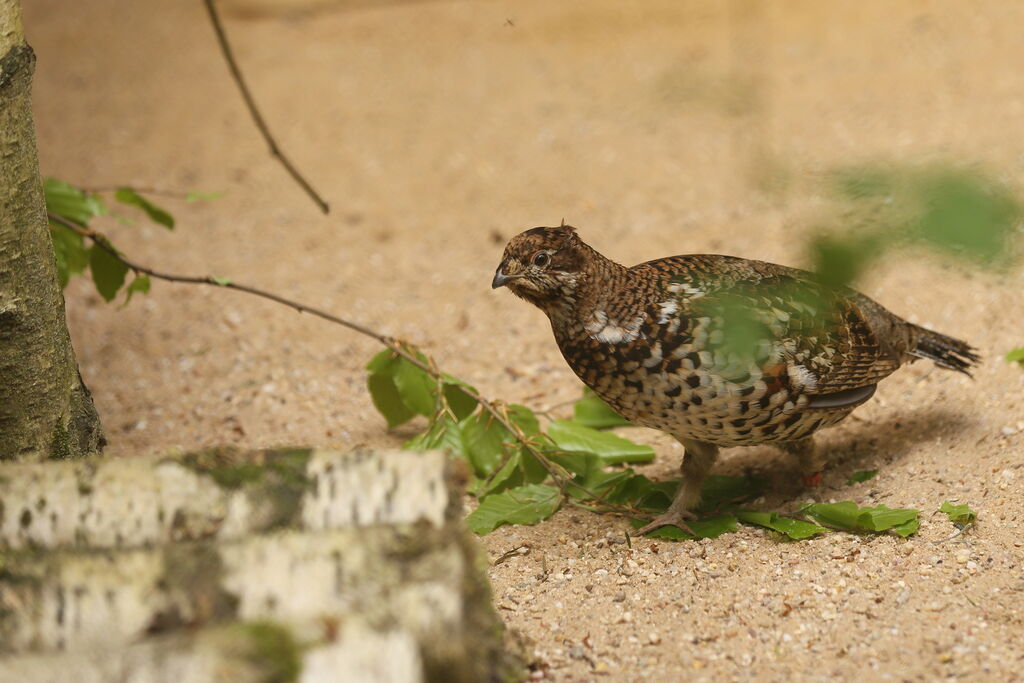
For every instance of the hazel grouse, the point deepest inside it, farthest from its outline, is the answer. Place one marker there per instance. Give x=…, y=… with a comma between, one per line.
x=716, y=350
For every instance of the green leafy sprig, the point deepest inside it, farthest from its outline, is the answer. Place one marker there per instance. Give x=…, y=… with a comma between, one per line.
x=70, y=209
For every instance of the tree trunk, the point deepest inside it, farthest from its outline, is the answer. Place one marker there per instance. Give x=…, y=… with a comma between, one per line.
x=45, y=409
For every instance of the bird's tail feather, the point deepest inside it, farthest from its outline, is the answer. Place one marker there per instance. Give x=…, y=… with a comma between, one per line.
x=947, y=352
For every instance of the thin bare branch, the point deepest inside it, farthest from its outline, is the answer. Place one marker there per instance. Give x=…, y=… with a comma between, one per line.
x=236, y=74
x=155, y=191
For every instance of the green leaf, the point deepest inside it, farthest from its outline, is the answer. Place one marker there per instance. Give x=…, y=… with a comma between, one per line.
x=383, y=361
x=140, y=284
x=416, y=388
x=387, y=399
x=444, y=434
x=793, y=528
x=709, y=527
x=576, y=438
x=485, y=439
x=863, y=475
x=644, y=494
x=961, y=515
x=882, y=518
x=127, y=195
x=847, y=515
x=70, y=251
x=522, y=505
x=533, y=471
x=107, y=271
x=907, y=528
x=524, y=418
x=590, y=474
x=461, y=403
x=507, y=476
x=70, y=203
x=194, y=196
x=843, y=515
x=1016, y=356
x=591, y=411
x=222, y=281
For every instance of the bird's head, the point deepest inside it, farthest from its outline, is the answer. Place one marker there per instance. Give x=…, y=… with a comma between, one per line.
x=545, y=266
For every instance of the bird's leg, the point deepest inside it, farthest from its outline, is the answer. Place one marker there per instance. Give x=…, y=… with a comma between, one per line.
x=697, y=461
x=811, y=459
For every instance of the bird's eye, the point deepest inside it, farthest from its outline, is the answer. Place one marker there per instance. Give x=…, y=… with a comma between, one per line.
x=541, y=259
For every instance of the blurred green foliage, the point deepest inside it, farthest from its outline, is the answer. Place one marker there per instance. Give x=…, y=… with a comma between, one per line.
x=880, y=209
x=956, y=210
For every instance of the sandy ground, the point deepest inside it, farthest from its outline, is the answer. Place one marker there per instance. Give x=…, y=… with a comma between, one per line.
x=439, y=129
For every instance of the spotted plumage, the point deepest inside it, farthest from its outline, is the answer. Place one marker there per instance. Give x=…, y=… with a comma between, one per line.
x=715, y=350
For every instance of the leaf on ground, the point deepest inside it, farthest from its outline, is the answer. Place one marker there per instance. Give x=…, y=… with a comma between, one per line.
x=591, y=411
x=795, y=529
x=1016, y=356
x=959, y=514
x=708, y=527
x=858, y=477
x=127, y=195
x=70, y=203
x=528, y=504
x=882, y=518
x=848, y=515
x=612, y=449
x=108, y=271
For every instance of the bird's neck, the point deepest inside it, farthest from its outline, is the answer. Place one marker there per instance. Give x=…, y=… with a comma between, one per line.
x=598, y=279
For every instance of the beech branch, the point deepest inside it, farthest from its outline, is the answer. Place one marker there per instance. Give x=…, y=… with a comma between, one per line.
x=496, y=410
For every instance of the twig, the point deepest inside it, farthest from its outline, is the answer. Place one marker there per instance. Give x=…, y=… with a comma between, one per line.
x=155, y=191
x=497, y=411
x=961, y=528
x=236, y=73
x=509, y=554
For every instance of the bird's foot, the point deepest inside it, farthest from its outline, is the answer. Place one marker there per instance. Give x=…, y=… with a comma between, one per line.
x=671, y=518
x=811, y=480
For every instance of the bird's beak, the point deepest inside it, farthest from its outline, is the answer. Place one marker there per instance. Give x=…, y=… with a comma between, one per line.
x=500, y=278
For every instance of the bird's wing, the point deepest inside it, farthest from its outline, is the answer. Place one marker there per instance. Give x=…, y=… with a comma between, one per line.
x=770, y=321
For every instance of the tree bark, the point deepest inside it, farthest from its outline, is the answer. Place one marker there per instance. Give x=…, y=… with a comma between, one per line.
x=45, y=409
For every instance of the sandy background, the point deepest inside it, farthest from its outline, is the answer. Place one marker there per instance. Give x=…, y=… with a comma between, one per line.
x=439, y=129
